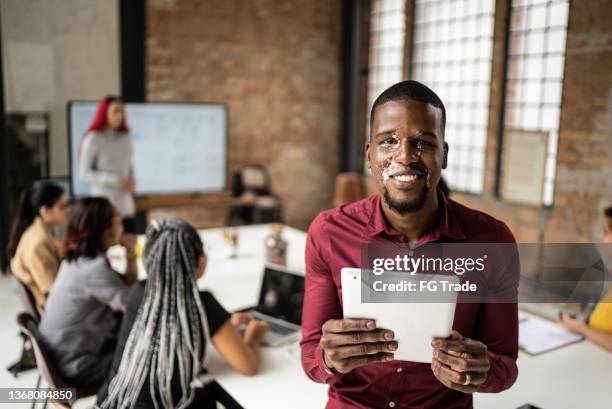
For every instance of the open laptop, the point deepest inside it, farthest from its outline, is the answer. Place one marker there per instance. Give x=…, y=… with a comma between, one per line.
x=280, y=304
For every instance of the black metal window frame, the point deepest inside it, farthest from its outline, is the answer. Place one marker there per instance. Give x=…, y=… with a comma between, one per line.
x=435, y=46
x=534, y=77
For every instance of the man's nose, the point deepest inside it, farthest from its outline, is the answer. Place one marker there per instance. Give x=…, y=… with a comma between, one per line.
x=406, y=153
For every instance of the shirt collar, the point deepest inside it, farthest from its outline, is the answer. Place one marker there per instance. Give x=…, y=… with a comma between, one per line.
x=447, y=226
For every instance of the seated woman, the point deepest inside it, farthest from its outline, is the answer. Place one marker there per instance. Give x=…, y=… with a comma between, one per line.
x=35, y=254
x=80, y=322
x=161, y=355
x=599, y=328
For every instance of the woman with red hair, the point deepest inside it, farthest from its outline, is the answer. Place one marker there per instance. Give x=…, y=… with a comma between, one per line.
x=105, y=159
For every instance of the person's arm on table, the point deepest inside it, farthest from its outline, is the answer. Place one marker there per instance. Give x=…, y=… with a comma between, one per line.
x=241, y=353
x=328, y=341
x=596, y=336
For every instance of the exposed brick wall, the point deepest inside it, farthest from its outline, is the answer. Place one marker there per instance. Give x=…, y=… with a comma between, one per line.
x=276, y=64
x=583, y=183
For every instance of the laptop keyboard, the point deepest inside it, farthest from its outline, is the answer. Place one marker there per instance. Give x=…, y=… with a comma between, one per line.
x=280, y=329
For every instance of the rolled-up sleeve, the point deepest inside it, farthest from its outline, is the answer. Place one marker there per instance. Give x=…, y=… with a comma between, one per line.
x=320, y=302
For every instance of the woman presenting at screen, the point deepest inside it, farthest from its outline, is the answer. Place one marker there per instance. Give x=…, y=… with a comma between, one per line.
x=105, y=159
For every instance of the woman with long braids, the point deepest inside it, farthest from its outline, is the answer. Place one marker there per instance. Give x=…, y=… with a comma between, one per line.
x=35, y=253
x=161, y=354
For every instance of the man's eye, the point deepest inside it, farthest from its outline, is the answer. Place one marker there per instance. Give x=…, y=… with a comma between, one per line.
x=389, y=141
x=421, y=144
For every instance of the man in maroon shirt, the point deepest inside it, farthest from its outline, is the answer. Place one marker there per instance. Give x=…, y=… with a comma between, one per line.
x=406, y=153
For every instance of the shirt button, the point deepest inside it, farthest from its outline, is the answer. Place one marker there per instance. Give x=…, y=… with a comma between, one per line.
x=398, y=370
x=391, y=404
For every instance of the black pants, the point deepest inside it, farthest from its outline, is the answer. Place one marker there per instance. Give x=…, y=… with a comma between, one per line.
x=94, y=375
x=205, y=398
x=208, y=396
x=129, y=224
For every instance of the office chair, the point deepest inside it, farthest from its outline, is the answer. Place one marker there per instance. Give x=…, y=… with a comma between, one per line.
x=26, y=358
x=263, y=207
x=29, y=326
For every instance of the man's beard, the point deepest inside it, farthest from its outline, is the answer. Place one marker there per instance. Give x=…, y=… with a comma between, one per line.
x=407, y=207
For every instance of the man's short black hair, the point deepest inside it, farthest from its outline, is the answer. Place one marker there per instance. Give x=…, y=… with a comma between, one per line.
x=608, y=211
x=413, y=90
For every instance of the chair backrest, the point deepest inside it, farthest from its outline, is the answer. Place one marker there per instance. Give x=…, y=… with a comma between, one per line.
x=349, y=188
x=27, y=300
x=253, y=178
x=29, y=326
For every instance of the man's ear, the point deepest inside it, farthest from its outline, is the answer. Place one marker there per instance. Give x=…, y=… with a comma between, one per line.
x=367, y=155
x=445, y=158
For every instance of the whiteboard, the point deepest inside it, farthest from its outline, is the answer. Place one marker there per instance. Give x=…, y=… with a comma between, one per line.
x=178, y=148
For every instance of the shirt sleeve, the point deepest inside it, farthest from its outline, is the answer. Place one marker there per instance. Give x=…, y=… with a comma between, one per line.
x=43, y=265
x=106, y=286
x=320, y=302
x=87, y=165
x=498, y=322
x=215, y=313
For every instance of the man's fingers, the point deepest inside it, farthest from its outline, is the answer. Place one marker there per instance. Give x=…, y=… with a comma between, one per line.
x=456, y=380
x=465, y=345
x=347, y=365
x=462, y=364
x=348, y=325
x=331, y=340
x=345, y=352
x=450, y=375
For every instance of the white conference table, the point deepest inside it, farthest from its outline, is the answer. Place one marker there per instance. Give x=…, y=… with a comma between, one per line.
x=579, y=375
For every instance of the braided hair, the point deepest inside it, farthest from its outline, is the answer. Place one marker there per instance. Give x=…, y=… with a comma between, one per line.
x=171, y=324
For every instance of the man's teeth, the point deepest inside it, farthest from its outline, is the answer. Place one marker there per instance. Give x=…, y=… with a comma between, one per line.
x=405, y=178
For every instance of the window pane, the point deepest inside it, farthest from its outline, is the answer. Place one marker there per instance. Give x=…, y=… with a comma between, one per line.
x=533, y=92
x=552, y=92
x=550, y=118
x=529, y=119
x=535, y=67
x=537, y=17
x=535, y=42
x=558, y=14
x=556, y=40
x=554, y=66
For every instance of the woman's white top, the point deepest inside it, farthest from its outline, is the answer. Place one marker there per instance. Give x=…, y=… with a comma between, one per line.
x=104, y=160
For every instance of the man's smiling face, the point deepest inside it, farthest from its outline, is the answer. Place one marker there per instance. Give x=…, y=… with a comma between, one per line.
x=406, y=152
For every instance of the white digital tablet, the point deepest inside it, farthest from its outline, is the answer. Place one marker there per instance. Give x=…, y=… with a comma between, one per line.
x=415, y=324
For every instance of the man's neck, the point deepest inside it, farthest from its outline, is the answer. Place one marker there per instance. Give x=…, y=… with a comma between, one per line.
x=414, y=225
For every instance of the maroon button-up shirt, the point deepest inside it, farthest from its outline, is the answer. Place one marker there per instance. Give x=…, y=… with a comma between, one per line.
x=334, y=242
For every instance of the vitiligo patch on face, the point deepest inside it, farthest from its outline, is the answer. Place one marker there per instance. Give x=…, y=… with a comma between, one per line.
x=389, y=168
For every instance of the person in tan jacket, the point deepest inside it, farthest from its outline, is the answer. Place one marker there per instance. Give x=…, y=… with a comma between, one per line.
x=35, y=253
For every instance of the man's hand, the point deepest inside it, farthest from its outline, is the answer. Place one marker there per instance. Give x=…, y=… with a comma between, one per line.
x=460, y=363
x=350, y=343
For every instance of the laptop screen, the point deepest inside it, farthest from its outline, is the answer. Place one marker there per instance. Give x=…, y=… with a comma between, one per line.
x=281, y=295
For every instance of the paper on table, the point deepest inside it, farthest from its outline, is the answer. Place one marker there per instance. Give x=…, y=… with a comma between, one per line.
x=537, y=335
